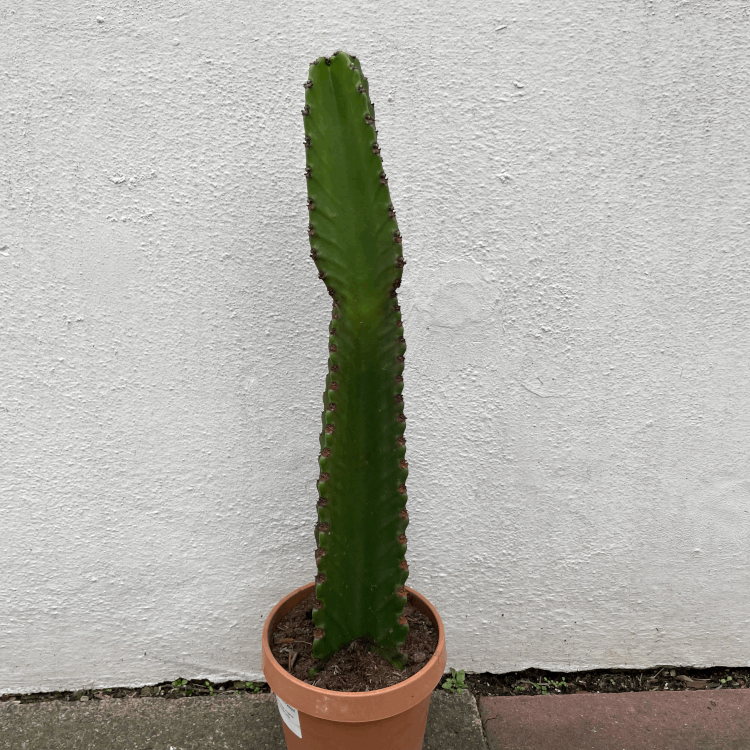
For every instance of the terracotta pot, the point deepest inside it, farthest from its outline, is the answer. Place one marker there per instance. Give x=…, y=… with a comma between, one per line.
x=392, y=718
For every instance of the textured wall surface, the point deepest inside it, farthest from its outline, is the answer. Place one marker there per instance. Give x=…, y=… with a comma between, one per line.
x=572, y=185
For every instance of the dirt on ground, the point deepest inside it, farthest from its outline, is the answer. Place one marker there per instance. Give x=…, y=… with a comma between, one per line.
x=541, y=682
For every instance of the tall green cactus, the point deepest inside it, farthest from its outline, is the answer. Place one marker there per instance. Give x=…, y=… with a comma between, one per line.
x=356, y=246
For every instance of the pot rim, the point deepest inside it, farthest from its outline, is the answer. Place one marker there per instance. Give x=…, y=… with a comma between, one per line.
x=339, y=705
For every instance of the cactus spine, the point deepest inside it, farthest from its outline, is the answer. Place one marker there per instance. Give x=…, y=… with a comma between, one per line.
x=356, y=246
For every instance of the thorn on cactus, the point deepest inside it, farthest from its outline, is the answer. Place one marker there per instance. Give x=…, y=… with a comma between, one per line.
x=404, y=514
x=404, y=565
x=400, y=358
x=391, y=211
x=328, y=60
x=401, y=591
x=307, y=141
x=399, y=378
x=331, y=407
x=332, y=348
x=320, y=578
x=397, y=237
x=322, y=502
x=401, y=440
x=369, y=119
x=401, y=418
x=330, y=429
x=360, y=88
x=404, y=464
x=401, y=488
x=398, y=398
x=383, y=178
x=310, y=204
x=402, y=539
x=310, y=230
x=314, y=254
x=326, y=452
x=308, y=84
x=400, y=262
x=306, y=110
x=334, y=386
x=308, y=173
x=325, y=477
x=319, y=633
x=375, y=148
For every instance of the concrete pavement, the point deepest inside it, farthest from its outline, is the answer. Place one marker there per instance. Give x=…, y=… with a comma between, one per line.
x=660, y=720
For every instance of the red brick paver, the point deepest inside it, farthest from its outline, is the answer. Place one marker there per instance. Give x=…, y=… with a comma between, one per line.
x=685, y=720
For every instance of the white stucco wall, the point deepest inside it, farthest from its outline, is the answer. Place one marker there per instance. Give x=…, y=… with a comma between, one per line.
x=572, y=181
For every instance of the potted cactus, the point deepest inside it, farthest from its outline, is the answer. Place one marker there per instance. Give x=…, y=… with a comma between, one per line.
x=361, y=531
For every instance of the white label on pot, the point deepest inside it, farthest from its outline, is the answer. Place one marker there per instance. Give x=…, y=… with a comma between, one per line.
x=290, y=716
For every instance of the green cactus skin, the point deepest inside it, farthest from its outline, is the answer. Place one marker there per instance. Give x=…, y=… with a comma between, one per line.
x=356, y=246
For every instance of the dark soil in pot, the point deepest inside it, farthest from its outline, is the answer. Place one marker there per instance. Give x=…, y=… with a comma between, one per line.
x=354, y=668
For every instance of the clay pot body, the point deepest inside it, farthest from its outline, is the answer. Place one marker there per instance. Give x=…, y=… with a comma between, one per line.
x=394, y=718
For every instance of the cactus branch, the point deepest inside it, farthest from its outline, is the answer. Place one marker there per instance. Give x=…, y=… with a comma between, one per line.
x=357, y=248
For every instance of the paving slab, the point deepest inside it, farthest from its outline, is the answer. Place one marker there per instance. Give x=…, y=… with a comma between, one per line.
x=659, y=720
x=232, y=722
x=229, y=722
